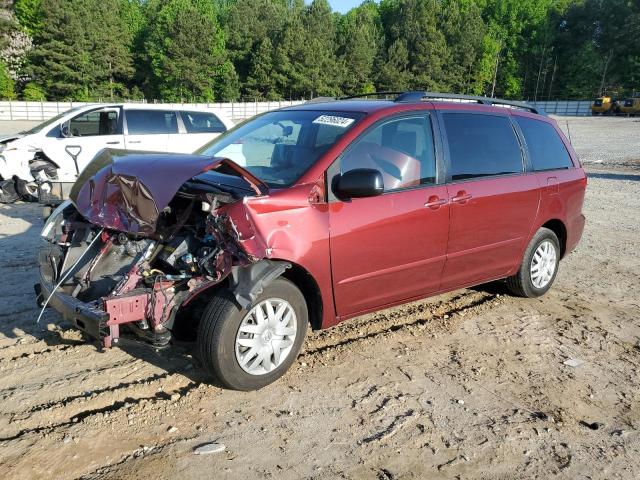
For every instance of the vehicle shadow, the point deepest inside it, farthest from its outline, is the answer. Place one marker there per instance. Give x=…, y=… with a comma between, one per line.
x=615, y=176
x=499, y=287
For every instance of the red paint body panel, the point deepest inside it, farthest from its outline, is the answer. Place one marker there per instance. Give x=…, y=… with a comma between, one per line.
x=363, y=254
x=488, y=232
x=373, y=253
x=388, y=248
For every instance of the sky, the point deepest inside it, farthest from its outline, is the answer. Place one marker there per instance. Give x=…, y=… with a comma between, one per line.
x=343, y=6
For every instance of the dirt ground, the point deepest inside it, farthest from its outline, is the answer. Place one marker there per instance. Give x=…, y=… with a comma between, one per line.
x=471, y=384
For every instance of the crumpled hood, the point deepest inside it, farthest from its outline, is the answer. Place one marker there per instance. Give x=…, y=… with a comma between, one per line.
x=127, y=191
x=4, y=139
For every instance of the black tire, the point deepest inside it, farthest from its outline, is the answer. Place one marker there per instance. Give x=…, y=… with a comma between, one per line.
x=521, y=283
x=8, y=192
x=219, y=326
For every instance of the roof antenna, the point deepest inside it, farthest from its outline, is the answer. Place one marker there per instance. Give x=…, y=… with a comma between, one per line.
x=569, y=132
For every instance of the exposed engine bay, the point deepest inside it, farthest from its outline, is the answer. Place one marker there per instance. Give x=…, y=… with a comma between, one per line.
x=162, y=255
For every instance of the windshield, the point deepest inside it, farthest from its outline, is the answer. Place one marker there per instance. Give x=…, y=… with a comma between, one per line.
x=53, y=120
x=278, y=147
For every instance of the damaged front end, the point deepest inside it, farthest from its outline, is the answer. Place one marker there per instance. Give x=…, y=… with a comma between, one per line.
x=144, y=235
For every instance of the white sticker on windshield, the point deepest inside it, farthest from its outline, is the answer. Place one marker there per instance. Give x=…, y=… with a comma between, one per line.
x=342, y=122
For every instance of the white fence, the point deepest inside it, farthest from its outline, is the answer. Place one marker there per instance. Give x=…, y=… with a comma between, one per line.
x=577, y=108
x=40, y=111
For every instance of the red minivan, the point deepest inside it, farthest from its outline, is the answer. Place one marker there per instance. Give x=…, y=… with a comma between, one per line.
x=310, y=215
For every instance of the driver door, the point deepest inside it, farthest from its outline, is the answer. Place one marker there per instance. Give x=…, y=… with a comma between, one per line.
x=392, y=247
x=83, y=137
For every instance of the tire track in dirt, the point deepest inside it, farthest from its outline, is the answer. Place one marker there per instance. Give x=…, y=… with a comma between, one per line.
x=115, y=407
x=107, y=471
x=398, y=320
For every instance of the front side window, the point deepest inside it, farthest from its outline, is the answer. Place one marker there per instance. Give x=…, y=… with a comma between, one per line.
x=151, y=122
x=401, y=149
x=202, y=122
x=97, y=122
x=278, y=147
x=481, y=145
x=545, y=146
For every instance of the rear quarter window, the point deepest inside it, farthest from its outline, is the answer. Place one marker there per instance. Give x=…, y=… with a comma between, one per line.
x=481, y=145
x=546, y=149
x=202, y=122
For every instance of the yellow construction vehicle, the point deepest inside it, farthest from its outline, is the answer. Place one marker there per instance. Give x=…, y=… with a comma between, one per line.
x=631, y=106
x=601, y=106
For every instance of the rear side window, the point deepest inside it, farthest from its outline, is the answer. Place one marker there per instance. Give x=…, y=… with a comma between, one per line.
x=150, y=122
x=481, y=145
x=545, y=146
x=202, y=122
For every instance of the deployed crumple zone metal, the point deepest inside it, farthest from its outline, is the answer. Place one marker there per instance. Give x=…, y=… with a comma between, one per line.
x=165, y=238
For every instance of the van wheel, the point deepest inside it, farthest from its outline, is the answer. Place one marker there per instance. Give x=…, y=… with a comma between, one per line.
x=247, y=349
x=539, y=266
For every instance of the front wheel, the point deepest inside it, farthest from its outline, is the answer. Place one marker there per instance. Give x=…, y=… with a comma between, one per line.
x=539, y=266
x=247, y=349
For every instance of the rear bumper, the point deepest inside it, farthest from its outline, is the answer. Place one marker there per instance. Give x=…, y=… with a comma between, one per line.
x=575, y=233
x=88, y=317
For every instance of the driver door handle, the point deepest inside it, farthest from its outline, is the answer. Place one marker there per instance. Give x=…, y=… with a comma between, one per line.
x=435, y=202
x=113, y=143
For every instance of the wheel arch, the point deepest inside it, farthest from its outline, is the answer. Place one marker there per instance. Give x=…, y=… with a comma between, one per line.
x=558, y=227
x=245, y=283
x=301, y=278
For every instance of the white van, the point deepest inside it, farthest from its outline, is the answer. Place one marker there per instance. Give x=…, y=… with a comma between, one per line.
x=61, y=147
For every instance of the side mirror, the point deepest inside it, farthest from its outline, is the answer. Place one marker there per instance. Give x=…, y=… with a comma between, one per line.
x=358, y=183
x=64, y=130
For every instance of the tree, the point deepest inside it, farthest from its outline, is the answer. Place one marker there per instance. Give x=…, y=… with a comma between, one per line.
x=7, y=85
x=360, y=37
x=30, y=15
x=186, y=52
x=416, y=45
x=83, y=51
x=248, y=25
x=260, y=82
x=33, y=92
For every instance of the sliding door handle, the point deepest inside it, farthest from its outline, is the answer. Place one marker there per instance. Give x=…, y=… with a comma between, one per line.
x=461, y=197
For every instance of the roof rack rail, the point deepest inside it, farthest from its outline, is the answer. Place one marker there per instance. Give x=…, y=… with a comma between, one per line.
x=418, y=96
x=321, y=100
x=379, y=94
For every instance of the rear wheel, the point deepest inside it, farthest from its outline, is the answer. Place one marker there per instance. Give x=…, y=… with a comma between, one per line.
x=247, y=349
x=539, y=266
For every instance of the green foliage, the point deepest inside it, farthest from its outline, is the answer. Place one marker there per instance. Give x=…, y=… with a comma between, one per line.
x=33, y=92
x=30, y=15
x=186, y=52
x=84, y=50
x=7, y=85
x=206, y=50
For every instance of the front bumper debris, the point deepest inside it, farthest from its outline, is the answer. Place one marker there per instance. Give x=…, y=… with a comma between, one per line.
x=102, y=318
